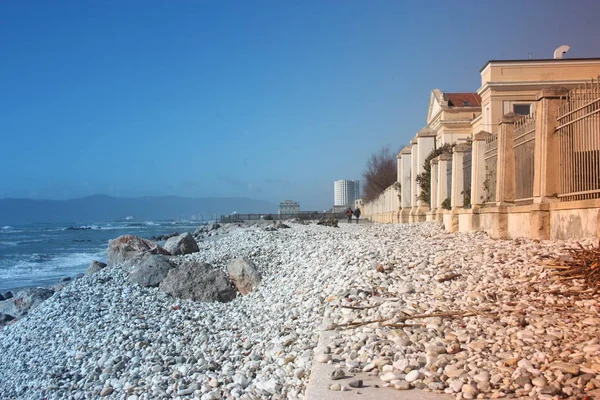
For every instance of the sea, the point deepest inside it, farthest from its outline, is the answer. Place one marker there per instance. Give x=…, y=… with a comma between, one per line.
x=44, y=253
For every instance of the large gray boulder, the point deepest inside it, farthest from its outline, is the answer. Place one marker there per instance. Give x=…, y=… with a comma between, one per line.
x=5, y=319
x=128, y=248
x=94, y=267
x=198, y=281
x=24, y=300
x=151, y=271
x=243, y=274
x=182, y=244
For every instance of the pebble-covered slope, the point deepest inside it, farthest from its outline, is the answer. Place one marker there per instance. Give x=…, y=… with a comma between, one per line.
x=102, y=336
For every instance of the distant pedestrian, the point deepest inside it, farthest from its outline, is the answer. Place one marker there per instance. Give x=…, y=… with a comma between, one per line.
x=357, y=214
x=349, y=214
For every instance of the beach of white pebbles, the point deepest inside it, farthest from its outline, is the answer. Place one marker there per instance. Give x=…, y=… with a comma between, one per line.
x=418, y=307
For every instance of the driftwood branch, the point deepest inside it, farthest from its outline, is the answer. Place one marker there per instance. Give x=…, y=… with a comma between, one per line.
x=398, y=321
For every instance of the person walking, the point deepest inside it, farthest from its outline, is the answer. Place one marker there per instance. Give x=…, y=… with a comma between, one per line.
x=349, y=214
x=357, y=214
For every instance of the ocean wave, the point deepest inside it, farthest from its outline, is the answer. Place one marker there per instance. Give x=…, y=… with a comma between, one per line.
x=40, y=257
x=9, y=230
x=6, y=243
x=112, y=227
x=40, y=266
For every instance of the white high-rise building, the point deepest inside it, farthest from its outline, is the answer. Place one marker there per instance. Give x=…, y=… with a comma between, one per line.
x=345, y=192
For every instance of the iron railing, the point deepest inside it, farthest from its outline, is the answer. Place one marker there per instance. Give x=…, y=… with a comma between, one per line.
x=578, y=126
x=467, y=169
x=524, y=150
x=491, y=168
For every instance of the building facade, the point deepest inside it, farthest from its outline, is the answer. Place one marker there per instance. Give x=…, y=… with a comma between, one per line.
x=289, y=207
x=524, y=155
x=345, y=192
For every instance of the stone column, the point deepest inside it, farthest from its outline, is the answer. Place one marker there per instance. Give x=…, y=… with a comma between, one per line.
x=426, y=144
x=414, y=170
x=546, y=163
x=505, y=185
x=458, y=186
x=405, y=190
x=442, y=180
x=434, y=183
x=442, y=185
x=399, y=167
x=478, y=168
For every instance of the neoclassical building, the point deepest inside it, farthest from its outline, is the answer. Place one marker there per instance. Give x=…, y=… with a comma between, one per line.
x=525, y=154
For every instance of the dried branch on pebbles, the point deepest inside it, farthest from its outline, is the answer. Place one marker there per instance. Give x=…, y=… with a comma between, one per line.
x=583, y=263
x=398, y=321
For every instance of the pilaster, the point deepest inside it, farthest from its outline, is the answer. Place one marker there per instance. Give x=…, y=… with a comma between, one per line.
x=547, y=156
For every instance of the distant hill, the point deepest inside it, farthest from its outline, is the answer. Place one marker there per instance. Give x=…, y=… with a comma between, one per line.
x=106, y=208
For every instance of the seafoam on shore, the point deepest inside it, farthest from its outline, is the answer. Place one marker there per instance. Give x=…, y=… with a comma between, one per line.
x=103, y=336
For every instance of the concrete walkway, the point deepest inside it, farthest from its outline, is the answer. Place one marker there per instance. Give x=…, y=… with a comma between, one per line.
x=319, y=382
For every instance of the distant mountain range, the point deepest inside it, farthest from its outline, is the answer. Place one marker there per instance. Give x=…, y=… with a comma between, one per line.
x=106, y=208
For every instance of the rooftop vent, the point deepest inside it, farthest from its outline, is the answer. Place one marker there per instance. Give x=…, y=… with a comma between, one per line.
x=558, y=53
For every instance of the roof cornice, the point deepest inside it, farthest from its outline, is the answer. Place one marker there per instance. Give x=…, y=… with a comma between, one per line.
x=524, y=85
x=545, y=61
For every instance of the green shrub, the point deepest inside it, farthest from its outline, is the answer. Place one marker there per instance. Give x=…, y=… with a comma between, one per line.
x=424, y=178
x=447, y=204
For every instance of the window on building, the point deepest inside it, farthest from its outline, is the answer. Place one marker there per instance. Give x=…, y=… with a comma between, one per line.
x=466, y=103
x=522, y=109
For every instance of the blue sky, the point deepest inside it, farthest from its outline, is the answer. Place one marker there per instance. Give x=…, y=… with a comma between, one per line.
x=270, y=100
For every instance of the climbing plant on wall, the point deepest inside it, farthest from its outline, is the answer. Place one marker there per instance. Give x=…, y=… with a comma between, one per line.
x=424, y=178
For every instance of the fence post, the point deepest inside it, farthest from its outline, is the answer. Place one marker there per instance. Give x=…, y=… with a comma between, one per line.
x=546, y=164
x=505, y=185
x=478, y=168
x=457, y=175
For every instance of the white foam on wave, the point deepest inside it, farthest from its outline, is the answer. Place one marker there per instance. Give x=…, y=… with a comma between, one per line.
x=9, y=230
x=112, y=228
x=39, y=266
x=151, y=223
x=6, y=243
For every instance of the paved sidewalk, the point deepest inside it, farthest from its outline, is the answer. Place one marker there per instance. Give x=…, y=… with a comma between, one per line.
x=319, y=382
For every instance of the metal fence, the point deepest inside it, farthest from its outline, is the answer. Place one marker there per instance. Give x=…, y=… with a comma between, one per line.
x=491, y=168
x=524, y=149
x=309, y=215
x=578, y=125
x=467, y=168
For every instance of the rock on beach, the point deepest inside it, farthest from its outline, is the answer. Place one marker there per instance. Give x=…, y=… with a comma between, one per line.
x=106, y=336
x=181, y=244
x=151, y=271
x=127, y=248
x=244, y=275
x=198, y=281
x=25, y=299
x=94, y=267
